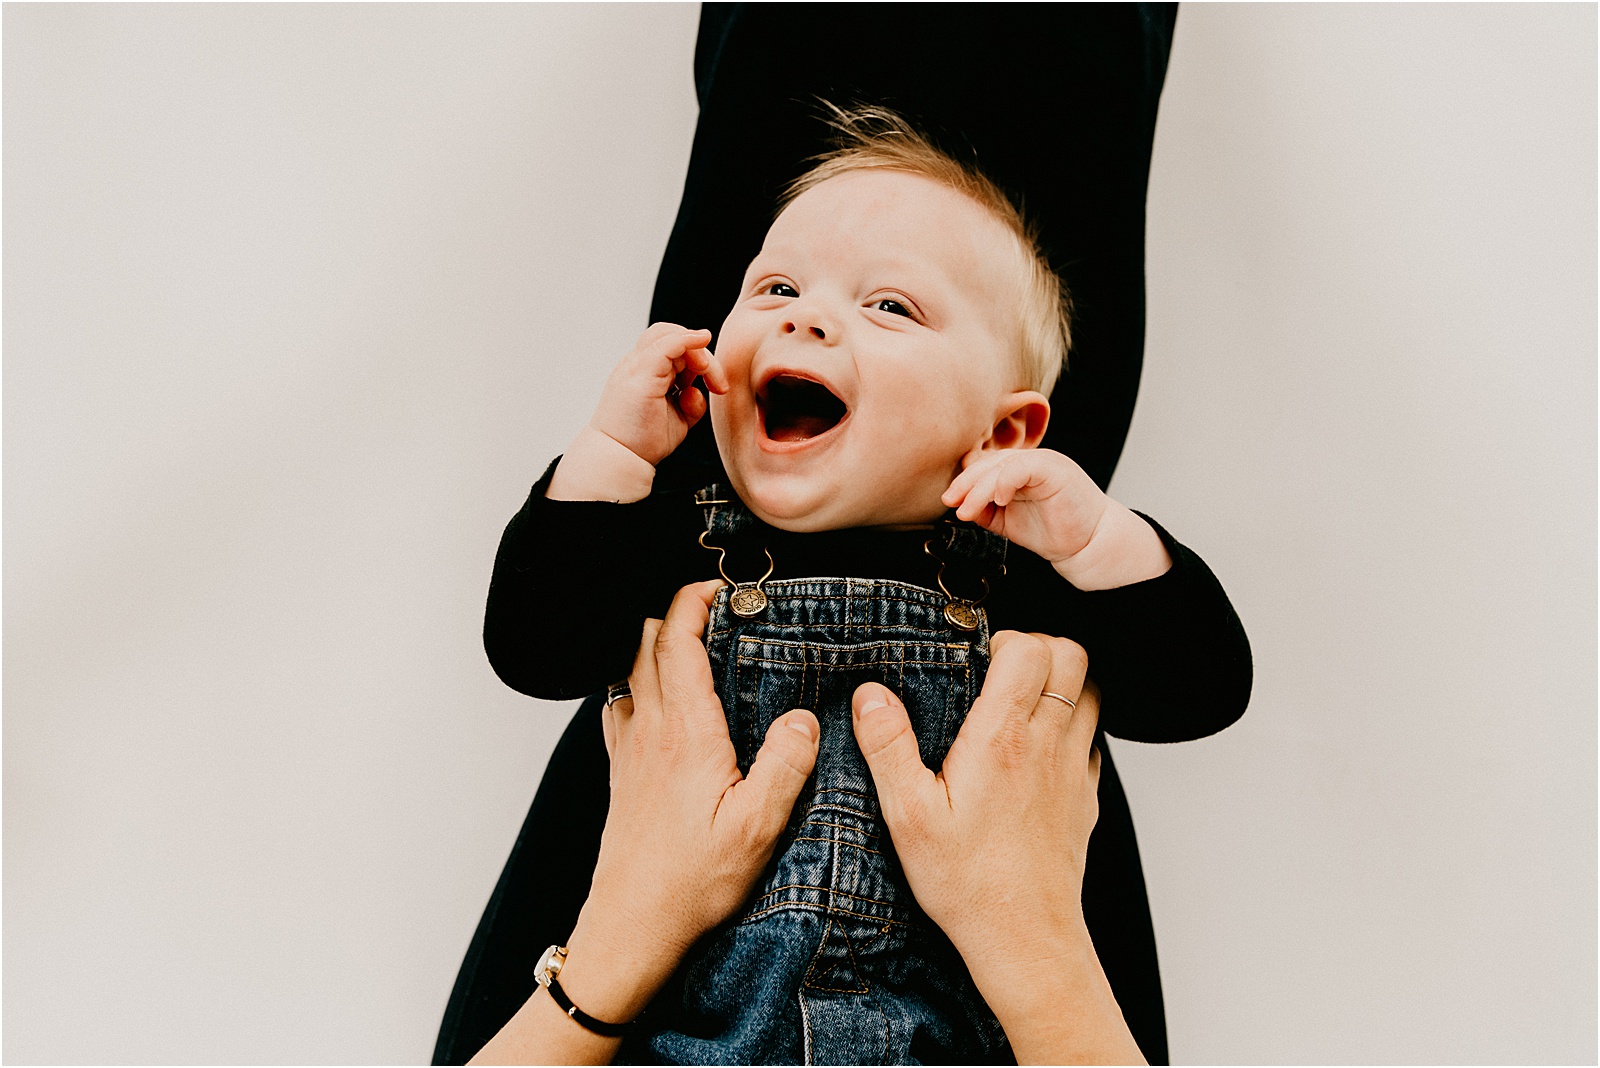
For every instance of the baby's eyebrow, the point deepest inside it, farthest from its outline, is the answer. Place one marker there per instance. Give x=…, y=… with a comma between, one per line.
x=756, y=269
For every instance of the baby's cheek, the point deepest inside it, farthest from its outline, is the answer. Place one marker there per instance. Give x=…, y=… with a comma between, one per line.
x=721, y=430
x=729, y=410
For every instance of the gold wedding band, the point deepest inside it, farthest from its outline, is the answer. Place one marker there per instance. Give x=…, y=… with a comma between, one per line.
x=1069, y=702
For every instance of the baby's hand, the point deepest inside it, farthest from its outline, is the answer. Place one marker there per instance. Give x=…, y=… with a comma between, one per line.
x=1037, y=498
x=645, y=411
x=1045, y=502
x=649, y=403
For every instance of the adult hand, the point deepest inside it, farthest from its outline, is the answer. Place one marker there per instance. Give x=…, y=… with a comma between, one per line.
x=686, y=838
x=993, y=845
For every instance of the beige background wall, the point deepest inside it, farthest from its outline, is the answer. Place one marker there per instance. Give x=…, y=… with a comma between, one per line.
x=299, y=300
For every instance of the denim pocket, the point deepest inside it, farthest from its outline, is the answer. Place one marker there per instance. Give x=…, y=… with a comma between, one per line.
x=769, y=676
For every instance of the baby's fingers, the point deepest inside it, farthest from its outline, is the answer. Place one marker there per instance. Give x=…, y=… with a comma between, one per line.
x=692, y=405
x=980, y=496
x=1013, y=475
x=703, y=363
x=962, y=485
x=664, y=355
x=657, y=331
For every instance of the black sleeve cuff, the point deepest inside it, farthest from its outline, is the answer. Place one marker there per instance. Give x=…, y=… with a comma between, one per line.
x=1170, y=652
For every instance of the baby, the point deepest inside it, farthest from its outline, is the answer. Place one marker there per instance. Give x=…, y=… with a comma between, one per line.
x=888, y=360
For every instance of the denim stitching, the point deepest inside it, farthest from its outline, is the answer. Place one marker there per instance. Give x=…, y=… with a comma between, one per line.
x=888, y=590
x=811, y=906
x=840, y=809
x=826, y=890
x=816, y=682
x=793, y=643
x=841, y=826
x=883, y=662
x=852, y=793
x=838, y=841
x=812, y=980
x=805, y=1025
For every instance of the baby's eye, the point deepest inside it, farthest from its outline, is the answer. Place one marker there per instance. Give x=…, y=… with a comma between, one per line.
x=782, y=289
x=893, y=307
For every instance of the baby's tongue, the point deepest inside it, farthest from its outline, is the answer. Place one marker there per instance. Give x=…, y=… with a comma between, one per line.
x=797, y=427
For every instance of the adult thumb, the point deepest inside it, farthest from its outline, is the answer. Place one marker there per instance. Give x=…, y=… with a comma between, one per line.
x=780, y=769
x=883, y=730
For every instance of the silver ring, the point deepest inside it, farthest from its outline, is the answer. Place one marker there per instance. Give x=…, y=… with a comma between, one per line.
x=616, y=691
x=1070, y=703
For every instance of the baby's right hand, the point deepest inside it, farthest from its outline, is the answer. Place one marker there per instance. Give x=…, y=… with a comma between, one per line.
x=649, y=403
x=645, y=411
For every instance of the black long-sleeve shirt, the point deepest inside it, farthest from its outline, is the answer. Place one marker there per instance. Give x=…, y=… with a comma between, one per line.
x=575, y=580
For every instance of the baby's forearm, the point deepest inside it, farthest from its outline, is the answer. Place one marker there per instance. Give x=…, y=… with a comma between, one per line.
x=597, y=467
x=1124, y=549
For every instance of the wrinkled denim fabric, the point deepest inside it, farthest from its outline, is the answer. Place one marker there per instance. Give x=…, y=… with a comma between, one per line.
x=832, y=962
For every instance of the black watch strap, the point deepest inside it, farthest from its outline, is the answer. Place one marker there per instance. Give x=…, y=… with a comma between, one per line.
x=599, y=1027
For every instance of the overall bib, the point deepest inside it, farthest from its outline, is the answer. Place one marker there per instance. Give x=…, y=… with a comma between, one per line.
x=832, y=962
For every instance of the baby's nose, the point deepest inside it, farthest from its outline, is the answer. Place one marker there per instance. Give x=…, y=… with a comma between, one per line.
x=817, y=331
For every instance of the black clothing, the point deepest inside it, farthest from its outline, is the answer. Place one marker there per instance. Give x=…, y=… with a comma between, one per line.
x=575, y=580
x=1057, y=103
x=544, y=885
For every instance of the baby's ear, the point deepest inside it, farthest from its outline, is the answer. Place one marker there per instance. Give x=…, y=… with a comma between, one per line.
x=1020, y=421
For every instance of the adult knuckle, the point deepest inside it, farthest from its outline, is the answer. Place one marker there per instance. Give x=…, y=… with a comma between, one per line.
x=909, y=823
x=1069, y=654
x=668, y=639
x=1089, y=701
x=1032, y=652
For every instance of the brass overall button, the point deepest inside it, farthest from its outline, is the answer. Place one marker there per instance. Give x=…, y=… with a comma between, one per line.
x=747, y=601
x=960, y=614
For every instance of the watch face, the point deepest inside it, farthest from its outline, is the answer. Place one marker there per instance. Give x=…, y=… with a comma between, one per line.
x=549, y=965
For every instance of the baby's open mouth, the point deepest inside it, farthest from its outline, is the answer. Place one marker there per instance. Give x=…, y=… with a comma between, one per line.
x=794, y=408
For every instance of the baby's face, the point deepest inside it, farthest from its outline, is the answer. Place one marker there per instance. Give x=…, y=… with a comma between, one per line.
x=873, y=345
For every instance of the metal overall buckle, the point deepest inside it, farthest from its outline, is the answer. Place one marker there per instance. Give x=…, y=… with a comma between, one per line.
x=748, y=599
x=961, y=612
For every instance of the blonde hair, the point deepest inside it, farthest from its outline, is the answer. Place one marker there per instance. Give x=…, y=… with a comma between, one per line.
x=875, y=138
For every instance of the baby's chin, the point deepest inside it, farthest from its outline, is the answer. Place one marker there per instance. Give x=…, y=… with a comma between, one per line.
x=807, y=509
x=800, y=510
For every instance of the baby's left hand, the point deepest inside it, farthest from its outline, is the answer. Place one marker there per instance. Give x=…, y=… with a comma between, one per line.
x=1045, y=502
x=1037, y=498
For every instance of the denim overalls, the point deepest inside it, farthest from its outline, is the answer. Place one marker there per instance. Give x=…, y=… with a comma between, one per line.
x=832, y=962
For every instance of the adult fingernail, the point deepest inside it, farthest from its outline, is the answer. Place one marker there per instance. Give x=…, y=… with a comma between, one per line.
x=804, y=724
x=872, y=703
